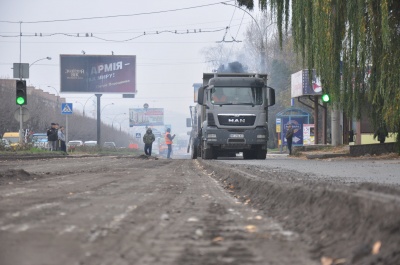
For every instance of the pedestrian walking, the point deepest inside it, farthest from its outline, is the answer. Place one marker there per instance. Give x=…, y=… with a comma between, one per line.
x=168, y=142
x=148, y=139
x=52, y=137
x=289, y=138
x=61, y=138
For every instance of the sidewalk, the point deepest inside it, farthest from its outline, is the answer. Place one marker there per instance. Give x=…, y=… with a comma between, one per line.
x=327, y=151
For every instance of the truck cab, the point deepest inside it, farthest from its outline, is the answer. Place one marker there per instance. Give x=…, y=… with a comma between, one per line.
x=233, y=115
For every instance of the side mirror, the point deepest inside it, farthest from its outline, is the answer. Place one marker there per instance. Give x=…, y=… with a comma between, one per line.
x=271, y=96
x=188, y=122
x=200, y=96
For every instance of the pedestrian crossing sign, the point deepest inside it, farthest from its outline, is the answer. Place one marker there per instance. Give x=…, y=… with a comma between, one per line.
x=66, y=108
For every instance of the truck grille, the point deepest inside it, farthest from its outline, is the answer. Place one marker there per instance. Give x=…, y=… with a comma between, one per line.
x=236, y=120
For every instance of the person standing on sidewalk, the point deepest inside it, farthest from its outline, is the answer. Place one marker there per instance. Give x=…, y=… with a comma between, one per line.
x=148, y=139
x=168, y=142
x=61, y=138
x=52, y=137
x=289, y=138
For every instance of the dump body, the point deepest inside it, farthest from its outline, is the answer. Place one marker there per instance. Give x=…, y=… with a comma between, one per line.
x=231, y=116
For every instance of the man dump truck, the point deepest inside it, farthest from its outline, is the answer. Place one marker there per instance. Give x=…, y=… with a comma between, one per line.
x=231, y=116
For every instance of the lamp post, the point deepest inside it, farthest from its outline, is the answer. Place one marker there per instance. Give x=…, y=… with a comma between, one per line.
x=84, y=105
x=112, y=122
x=106, y=106
x=58, y=95
x=55, y=90
x=262, y=49
x=46, y=58
x=83, y=110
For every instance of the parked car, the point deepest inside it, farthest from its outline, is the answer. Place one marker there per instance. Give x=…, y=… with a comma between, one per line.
x=40, y=140
x=90, y=143
x=4, y=144
x=109, y=145
x=12, y=138
x=72, y=145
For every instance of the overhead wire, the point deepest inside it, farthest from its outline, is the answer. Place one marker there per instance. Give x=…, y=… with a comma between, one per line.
x=116, y=16
x=237, y=33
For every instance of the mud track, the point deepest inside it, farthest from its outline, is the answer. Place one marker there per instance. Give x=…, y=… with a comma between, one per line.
x=341, y=222
x=116, y=210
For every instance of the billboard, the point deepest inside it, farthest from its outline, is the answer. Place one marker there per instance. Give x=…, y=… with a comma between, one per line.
x=98, y=74
x=297, y=125
x=146, y=117
x=300, y=84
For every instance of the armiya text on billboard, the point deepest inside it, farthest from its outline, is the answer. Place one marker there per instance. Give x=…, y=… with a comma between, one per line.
x=98, y=74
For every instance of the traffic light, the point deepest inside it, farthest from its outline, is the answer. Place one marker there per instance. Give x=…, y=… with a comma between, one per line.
x=325, y=98
x=21, y=98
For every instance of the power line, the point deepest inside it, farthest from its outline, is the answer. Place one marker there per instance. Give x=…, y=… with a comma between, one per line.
x=78, y=35
x=115, y=16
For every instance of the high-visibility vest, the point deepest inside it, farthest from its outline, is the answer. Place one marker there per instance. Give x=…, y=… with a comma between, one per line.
x=219, y=99
x=167, y=140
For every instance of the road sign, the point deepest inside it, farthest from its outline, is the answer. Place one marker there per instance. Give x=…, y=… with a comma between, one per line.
x=25, y=114
x=21, y=70
x=138, y=135
x=66, y=108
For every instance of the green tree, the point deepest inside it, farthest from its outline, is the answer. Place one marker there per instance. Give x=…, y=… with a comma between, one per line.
x=354, y=45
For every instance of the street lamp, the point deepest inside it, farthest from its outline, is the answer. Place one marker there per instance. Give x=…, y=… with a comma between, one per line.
x=106, y=106
x=58, y=95
x=112, y=122
x=83, y=111
x=46, y=58
x=55, y=90
x=85, y=105
x=262, y=59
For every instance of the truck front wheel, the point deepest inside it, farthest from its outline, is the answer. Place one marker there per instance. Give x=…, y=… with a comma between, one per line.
x=193, y=153
x=207, y=153
x=261, y=154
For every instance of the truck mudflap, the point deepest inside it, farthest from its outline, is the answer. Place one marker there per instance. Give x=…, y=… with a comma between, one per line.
x=236, y=139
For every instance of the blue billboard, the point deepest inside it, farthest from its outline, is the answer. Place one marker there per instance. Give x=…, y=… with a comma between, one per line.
x=297, y=125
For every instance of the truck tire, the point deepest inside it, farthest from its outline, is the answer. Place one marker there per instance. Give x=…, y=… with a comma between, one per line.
x=193, y=152
x=248, y=154
x=261, y=154
x=208, y=153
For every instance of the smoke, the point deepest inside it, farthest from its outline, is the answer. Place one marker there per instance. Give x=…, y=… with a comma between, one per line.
x=234, y=67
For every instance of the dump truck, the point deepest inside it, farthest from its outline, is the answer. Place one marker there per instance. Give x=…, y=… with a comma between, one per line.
x=231, y=116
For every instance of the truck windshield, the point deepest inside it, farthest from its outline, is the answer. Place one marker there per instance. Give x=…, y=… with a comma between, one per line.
x=236, y=96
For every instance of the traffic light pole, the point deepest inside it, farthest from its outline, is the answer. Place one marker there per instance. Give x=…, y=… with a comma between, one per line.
x=20, y=126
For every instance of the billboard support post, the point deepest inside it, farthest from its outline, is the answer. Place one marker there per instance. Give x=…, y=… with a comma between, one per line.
x=98, y=119
x=316, y=113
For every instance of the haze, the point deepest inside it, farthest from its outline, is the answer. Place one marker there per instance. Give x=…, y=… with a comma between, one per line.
x=167, y=63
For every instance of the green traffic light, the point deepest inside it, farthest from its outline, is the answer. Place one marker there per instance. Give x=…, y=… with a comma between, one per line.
x=20, y=100
x=325, y=98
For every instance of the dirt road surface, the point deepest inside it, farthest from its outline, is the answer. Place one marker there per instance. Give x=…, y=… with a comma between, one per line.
x=124, y=210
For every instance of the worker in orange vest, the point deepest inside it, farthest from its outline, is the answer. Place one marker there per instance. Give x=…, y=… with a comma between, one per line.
x=218, y=97
x=168, y=142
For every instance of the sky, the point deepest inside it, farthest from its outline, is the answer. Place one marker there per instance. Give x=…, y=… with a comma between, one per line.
x=167, y=64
